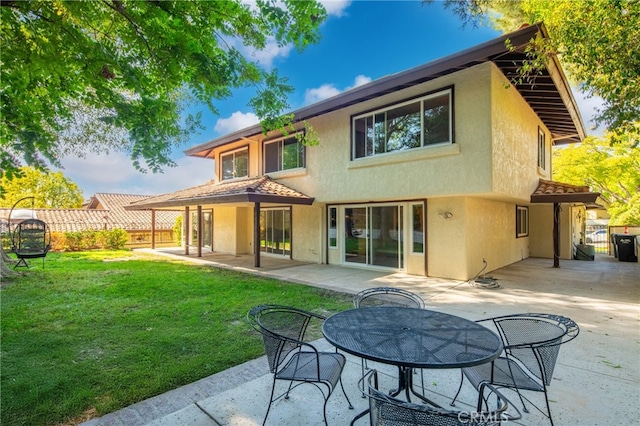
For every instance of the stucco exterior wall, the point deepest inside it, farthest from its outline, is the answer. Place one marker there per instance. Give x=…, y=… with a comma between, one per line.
x=478, y=229
x=308, y=233
x=515, y=171
x=331, y=177
x=224, y=229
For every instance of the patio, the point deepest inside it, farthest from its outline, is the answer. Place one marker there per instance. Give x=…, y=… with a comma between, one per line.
x=596, y=382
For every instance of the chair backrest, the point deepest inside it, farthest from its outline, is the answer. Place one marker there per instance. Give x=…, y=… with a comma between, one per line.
x=386, y=410
x=387, y=296
x=535, y=339
x=31, y=236
x=283, y=329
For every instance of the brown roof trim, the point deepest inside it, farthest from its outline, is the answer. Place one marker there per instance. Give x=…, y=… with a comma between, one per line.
x=549, y=191
x=556, y=107
x=252, y=190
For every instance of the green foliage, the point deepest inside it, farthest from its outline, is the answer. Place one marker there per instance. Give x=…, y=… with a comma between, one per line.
x=596, y=42
x=51, y=190
x=610, y=169
x=111, y=239
x=114, y=239
x=177, y=230
x=134, y=67
x=106, y=329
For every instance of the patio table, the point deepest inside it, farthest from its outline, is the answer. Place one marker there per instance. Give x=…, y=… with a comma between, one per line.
x=411, y=338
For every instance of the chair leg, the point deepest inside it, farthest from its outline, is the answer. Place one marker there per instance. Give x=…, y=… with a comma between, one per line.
x=273, y=390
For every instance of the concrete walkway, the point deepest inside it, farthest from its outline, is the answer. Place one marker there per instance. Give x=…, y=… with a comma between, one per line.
x=596, y=381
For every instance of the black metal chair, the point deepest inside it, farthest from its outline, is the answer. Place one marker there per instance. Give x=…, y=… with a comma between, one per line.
x=385, y=410
x=387, y=296
x=290, y=357
x=31, y=239
x=531, y=347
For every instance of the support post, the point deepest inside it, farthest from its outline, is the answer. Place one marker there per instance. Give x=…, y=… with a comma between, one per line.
x=256, y=234
x=186, y=227
x=556, y=235
x=199, y=231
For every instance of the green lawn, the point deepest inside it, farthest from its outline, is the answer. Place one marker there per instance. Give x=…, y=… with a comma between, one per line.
x=94, y=332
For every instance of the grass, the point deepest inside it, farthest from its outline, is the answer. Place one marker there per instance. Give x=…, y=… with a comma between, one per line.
x=94, y=332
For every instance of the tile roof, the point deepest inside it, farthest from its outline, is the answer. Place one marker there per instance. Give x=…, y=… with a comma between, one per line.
x=260, y=189
x=103, y=211
x=549, y=191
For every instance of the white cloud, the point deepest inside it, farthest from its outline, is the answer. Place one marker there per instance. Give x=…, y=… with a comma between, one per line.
x=319, y=93
x=360, y=80
x=238, y=120
x=335, y=7
x=328, y=90
x=114, y=173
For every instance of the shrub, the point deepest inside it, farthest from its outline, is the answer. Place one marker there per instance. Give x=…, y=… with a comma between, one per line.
x=115, y=239
x=58, y=241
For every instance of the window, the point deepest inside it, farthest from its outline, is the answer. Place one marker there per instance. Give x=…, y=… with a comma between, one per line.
x=522, y=221
x=283, y=154
x=333, y=227
x=417, y=241
x=412, y=124
x=235, y=164
x=542, y=150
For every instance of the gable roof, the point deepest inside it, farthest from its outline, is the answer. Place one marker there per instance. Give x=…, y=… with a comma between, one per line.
x=260, y=189
x=548, y=94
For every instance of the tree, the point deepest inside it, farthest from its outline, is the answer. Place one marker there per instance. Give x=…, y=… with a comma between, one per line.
x=49, y=189
x=134, y=66
x=596, y=41
x=611, y=169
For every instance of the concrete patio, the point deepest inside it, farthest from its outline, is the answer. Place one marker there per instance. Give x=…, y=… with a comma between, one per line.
x=596, y=381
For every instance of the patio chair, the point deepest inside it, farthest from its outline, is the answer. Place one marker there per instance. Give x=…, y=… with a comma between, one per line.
x=386, y=296
x=291, y=358
x=531, y=347
x=385, y=410
x=30, y=240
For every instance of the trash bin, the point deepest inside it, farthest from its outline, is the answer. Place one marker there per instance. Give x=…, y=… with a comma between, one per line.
x=585, y=252
x=625, y=247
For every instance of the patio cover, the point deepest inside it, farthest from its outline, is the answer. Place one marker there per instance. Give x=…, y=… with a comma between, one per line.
x=549, y=191
x=253, y=190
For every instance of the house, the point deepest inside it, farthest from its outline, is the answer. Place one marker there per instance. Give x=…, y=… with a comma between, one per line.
x=431, y=171
x=106, y=211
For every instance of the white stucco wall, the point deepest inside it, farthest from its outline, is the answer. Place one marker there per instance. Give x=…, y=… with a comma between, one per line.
x=308, y=233
x=463, y=167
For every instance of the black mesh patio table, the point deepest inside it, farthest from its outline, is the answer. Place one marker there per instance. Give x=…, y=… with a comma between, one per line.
x=411, y=338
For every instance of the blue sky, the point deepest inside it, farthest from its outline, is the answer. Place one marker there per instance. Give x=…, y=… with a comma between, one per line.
x=361, y=41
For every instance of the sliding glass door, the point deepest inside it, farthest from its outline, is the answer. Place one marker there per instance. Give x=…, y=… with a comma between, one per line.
x=275, y=231
x=373, y=236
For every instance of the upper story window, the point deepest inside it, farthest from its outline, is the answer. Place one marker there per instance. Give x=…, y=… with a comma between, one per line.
x=542, y=150
x=413, y=124
x=283, y=154
x=235, y=164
